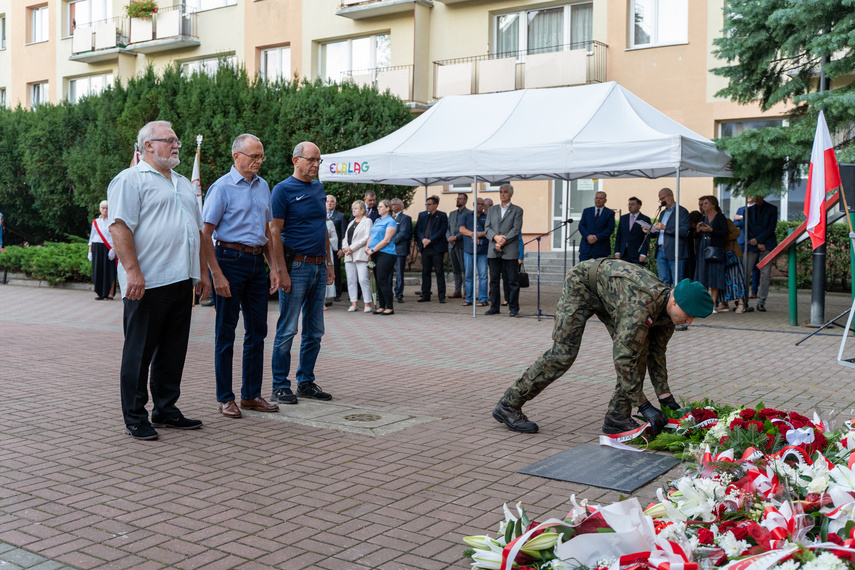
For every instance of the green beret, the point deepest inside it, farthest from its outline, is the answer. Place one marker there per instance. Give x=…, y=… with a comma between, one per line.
x=693, y=298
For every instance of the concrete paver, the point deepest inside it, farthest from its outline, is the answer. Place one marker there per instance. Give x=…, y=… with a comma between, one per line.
x=257, y=493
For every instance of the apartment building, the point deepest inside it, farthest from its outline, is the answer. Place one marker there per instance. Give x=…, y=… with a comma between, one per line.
x=420, y=50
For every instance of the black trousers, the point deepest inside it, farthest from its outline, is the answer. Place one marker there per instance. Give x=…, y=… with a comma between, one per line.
x=455, y=254
x=157, y=328
x=384, y=265
x=337, y=273
x=432, y=263
x=507, y=270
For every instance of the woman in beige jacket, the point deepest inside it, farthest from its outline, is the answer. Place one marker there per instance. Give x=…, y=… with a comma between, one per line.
x=353, y=245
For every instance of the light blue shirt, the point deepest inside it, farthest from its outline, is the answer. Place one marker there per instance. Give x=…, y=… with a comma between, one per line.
x=240, y=210
x=378, y=232
x=666, y=215
x=164, y=220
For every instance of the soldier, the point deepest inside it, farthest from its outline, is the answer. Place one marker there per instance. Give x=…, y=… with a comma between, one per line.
x=640, y=313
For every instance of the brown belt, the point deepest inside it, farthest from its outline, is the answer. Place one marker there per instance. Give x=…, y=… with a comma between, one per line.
x=308, y=259
x=256, y=250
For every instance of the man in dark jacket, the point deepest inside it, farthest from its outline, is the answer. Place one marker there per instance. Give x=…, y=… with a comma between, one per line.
x=630, y=241
x=762, y=221
x=596, y=228
x=431, y=228
x=403, y=238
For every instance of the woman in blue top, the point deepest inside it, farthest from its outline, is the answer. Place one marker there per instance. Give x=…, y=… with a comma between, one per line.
x=382, y=252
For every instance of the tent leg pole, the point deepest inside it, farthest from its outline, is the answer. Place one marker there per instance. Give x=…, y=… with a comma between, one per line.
x=475, y=277
x=677, y=232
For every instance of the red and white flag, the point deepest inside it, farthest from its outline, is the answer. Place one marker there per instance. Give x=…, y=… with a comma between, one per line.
x=136, y=158
x=823, y=177
x=196, y=181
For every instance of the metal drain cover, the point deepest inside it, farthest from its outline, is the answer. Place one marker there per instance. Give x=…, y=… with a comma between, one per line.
x=363, y=418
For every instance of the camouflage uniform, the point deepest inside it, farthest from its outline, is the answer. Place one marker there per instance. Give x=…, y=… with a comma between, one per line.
x=630, y=301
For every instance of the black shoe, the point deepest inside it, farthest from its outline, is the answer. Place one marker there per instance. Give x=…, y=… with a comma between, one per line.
x=514, y=313
x=283, y=396
x=178, y=423
x=492, y=311
x=423, y=300
x=337, y=299
x=761, y=307
x=312, y=390
x=514, y=418
x=669, y=403
x=442, y=299
x=657, y=419
x=399, y=299
x=618, y=423
x=141, y=431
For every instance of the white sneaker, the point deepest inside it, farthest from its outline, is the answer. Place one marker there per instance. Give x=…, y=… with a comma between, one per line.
x=351, y=309
x=715, y=311
x=368, y=309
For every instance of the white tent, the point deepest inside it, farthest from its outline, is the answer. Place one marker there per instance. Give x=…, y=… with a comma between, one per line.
x=590, y=131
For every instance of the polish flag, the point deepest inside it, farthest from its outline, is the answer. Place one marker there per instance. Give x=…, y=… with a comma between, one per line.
x=823, y=177
x=196, y=180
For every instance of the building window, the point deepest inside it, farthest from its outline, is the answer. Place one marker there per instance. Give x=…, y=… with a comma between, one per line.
x=339, y=60
x=207, y=66
x=545, y=30
x=658, y=22
x=2, y=97
x=38, y=94
x=199, y=5
x=86, y=12
x=85, y=86
x=276, y=64
x=39, y=28
x=2, y=31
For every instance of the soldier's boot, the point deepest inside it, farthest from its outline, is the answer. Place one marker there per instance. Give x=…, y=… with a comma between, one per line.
x=618, y=423
x=657, y=419
x=669, y=403
x=513, y=417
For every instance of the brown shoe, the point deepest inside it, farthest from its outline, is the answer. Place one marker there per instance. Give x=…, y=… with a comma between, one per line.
x=259, y=405
x=230, y=409
x=456, y=296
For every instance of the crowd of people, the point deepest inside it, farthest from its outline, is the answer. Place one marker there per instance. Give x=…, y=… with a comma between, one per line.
x=249, y=242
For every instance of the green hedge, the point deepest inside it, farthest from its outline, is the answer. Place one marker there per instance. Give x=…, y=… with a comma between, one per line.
x=838, y=273
x=52, y=262
x=57, y=161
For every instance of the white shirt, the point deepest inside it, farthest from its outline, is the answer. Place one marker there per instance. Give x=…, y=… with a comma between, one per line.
x=505, y=209
x=104, y=226
x=164, y=220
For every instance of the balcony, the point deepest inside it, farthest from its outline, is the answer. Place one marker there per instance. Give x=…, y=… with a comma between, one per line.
x=359, y=9
x=398, y=80
x=97, y=42
x=168, y=29
x=553, y=66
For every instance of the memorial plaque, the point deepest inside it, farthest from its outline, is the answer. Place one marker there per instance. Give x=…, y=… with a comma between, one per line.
x=603, y=467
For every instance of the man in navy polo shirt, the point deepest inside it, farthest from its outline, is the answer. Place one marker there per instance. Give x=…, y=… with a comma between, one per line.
x=299, y=217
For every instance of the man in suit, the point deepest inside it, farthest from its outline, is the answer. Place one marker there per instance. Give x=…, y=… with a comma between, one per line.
x=739, y=222
x=762, y=221
x=402, y=240
x=370, y=199
x=596, y=228
x=431, y=228
x=504, y=226
x=340, y=223
x=455, y=243
x=631, y=242
x=665, y=232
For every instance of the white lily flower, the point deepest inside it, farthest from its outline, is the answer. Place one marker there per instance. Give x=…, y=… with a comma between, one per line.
x=696, y=498
x=656, y=511
x=482, y=542
x=843, y=477
x=487, y=560
x=508, y=516
x=672, y=512
x=818, y=484
x=544, y=541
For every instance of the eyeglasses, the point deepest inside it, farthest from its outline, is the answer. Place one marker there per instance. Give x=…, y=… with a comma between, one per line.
x=317, y=161
x=254, y=157
x=170, y=142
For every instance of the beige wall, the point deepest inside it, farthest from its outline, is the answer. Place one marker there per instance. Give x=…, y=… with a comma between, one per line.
x=30, y=63
x=271, y=23
x=6, y=54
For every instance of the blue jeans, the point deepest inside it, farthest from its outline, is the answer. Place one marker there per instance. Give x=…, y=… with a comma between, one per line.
x=482, y=276
x=665, y=268
x=247, y=279
x=308, y=286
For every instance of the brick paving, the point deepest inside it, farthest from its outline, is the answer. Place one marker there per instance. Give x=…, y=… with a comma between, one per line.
x=255, y=493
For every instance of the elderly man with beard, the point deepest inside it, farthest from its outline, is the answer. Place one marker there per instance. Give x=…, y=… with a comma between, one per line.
x=156, y=228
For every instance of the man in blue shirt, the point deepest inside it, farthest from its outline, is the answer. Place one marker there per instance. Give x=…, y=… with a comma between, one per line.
x=303, y=259
x=466, y=229
x=236, y=214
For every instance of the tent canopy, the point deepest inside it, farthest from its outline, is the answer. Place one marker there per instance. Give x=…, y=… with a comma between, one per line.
x=590, y=131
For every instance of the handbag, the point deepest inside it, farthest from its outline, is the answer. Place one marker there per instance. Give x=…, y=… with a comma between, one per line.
x=713, y=252
x=522, y=278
